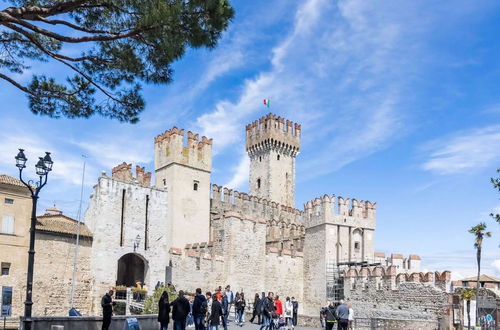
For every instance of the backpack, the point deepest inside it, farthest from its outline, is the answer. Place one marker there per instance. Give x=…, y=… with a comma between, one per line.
x=204, y=308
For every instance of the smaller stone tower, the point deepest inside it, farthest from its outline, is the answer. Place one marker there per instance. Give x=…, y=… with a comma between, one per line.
x=272, y=147
x=184, y=170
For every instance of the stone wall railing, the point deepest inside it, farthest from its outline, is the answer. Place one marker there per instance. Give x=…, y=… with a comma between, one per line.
x=146, y=322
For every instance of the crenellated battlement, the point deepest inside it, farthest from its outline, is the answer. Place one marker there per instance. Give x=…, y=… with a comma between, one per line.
x=380, y=278
x=249, y=206
x=272, y=132
x=123, y=172
x=170, y=148
x=332, y=209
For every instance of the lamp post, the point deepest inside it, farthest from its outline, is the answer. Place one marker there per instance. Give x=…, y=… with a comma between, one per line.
x=137, y=241
x=43, y=167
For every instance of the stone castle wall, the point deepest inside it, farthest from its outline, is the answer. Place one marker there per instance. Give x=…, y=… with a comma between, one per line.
x=53, y=272
x=379, y=292
x=111, y=201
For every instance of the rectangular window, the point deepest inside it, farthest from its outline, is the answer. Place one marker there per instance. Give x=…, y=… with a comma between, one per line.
x=8, y=224
x=6, y=301
x=5, y=268
x=146, y=224
x=356, y=246
x=9, y=201
x=122, y=220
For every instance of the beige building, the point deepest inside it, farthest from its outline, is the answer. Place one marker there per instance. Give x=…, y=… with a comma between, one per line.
x=54, y=255
x=15, y=211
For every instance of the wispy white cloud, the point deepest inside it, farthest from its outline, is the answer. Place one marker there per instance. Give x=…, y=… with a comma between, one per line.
x=463, y=151
x=334, y=73
x=240, y=176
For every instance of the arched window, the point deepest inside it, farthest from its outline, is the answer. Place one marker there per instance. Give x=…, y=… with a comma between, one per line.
x=260, y=158
x=195, y=185
x=278, y=158
x=258, y=183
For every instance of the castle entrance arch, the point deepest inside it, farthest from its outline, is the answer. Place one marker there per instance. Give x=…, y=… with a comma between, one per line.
x=132, y=267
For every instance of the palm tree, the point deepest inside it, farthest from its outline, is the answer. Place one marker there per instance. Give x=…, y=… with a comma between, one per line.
x=467, y=294
x=479, y=232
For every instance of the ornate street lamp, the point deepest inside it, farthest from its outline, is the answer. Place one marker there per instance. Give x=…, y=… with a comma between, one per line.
x=43, y=167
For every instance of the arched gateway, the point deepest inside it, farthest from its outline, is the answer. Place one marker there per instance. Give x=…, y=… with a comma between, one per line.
x=132, y=267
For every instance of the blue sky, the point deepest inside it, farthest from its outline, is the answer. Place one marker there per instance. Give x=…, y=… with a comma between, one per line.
x=398, y=100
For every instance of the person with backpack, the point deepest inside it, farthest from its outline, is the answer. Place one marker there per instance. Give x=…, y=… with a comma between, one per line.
x=330, y=316
x=200, y=308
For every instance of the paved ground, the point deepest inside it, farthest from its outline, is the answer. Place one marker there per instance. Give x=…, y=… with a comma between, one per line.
x=249, y=326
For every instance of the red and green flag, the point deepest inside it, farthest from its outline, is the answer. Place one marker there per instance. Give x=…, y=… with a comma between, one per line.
x=266, y=102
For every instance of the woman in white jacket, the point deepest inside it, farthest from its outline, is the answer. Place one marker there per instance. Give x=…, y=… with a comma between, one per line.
x=288, y=312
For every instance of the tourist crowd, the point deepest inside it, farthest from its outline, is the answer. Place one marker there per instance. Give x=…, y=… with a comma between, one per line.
x=341, y=314
x=210, y=311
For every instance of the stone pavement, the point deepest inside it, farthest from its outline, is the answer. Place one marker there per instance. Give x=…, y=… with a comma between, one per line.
x=250, y=326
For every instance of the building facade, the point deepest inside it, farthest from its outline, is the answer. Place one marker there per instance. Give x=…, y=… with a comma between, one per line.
x=15, y=214
x=55, y=244
x=200, y=234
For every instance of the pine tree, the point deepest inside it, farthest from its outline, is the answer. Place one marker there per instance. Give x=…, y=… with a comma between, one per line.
x=122, y=44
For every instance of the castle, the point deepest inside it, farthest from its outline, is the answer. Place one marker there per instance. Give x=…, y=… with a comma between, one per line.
x=185, y=230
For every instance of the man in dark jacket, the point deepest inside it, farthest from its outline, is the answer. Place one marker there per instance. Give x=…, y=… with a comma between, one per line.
x=180, y=311
x=216, y=314
x=199, y=310
x=107, y=309
x=330, y=316
x=267, y=309
x=295, y=305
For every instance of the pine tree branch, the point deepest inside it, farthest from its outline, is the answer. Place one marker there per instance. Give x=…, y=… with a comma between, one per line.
x=15, y=83
x=31, y=12
x=5, y=19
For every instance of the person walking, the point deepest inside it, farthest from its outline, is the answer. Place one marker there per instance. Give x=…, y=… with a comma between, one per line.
x=295, y=304
x=208, y=296
x=107, y=309
x=240, y=308
x=225, y=310
x=288, y=313
x=256, y=308
x=180, y=311
x=190, y=318
x=351, y=317
x=215, y=314
x=267, y=308
x=279, y=306
x=230, y=300
x=342, y=314
x=164, y=311
x=330, y=316
x=200, y=308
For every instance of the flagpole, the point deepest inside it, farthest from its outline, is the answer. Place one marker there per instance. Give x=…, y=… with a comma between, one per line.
x=73, y=282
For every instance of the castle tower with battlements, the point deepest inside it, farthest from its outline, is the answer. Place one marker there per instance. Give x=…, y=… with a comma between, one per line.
x=184, y=171
x=183, y=230
x=272, y=145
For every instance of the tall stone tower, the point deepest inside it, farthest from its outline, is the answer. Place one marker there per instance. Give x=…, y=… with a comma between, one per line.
x=272, y=147
x=184, y=170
